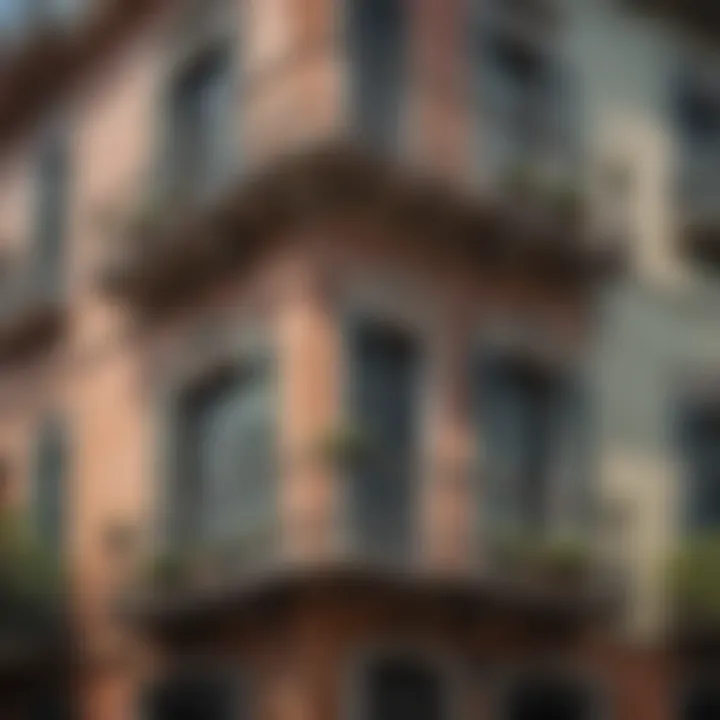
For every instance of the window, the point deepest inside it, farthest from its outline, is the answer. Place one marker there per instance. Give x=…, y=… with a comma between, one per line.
x=198, y=134
x=52, y=206
x=224, y=495
x=49, y=501
x=525, y=96
x=530, y=426
x=701, y=701
x=384, y=399
x=700, y=439
x=377, y=42
x=193, y=695
x=403, y=690
x=544, y=698
x=696, y=113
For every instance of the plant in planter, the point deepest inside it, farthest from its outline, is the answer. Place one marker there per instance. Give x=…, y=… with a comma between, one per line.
x=543, y=191
x=565, y=559
x=246, y=547
x=345, y=447
x=25, y=567
x=30, y=583
x=694, y=581
x=556, y=560
x=170, y=570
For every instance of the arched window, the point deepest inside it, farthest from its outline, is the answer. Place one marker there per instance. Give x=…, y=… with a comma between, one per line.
x=550, y=698
x=194, y=695
x=384, y=395
x=376, y=36
x=701, y=701
x=402, y=689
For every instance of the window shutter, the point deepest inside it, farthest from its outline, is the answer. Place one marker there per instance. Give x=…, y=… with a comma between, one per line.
x=50, y=492
x=52, y=209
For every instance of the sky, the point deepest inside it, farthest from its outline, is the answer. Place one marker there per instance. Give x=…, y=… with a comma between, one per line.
x=11, y=12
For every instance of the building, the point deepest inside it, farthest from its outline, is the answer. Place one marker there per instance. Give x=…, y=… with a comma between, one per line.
x=314, y=377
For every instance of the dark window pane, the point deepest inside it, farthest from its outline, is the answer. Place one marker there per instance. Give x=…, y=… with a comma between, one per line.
x=701, y=451
x=697, y=113
x=549, y=700
x=52, y=206
x=522, y=410
x=199, y=99
x=377, y=42
x=384, y=402
x=226, y=489
x=701, y=704
x=49, y=501
x=192, y=698
x=404, y=691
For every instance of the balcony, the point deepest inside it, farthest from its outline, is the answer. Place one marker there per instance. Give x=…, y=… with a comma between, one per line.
x=556, y=585
x=31, y=306
x=39, y=65
x=304, y=157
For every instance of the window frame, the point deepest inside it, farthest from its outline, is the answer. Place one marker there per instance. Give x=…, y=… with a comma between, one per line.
x=224, y=36
x=544, y=345
x=576, y=671
x=391, y=300
x=343, y=20
x=444, y=663
x=247, y=346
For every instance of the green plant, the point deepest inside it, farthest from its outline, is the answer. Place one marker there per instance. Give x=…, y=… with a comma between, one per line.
x=568, y=557
x=345, y=446
x=27, y=569
x=562, y=558
x=522, y=179
x=147, y=215
x=169, y=570
x=527, y=180
x=694, y=579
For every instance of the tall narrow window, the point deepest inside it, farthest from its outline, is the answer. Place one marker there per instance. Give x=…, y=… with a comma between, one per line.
x=225, y=491
x=50, y=491
x=198, y=134
x=195, y=695
x=701, y=452
x=530, y=426
x=52, y=207
x=701, y=701
x=403, y=690
x=544, y=698
x=696, y=105
x=385, y=384
x=377, y=42
x=525, y=113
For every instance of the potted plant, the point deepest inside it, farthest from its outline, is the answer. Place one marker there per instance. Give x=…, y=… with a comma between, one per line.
x=695, y=582
x=539, y=190
x=344, y=447
x=548, y=560
x=170, y=570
